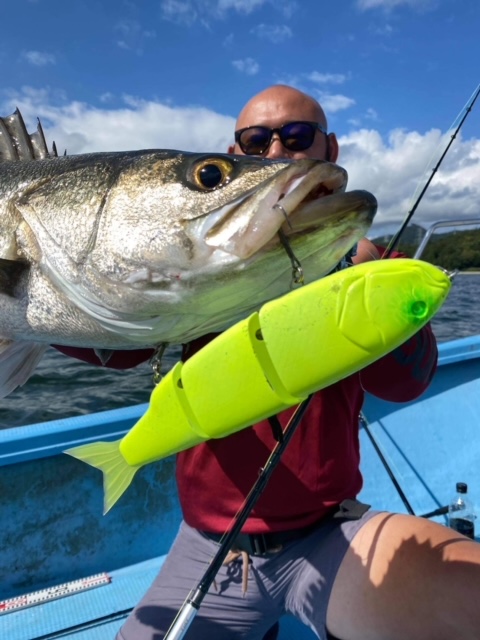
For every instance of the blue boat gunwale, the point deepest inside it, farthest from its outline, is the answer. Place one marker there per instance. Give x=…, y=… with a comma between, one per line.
x=46, y=439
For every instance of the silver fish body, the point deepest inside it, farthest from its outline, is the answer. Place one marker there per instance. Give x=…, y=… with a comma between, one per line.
x=131, y=249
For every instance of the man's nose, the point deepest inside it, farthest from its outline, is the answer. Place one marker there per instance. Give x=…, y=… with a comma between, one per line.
x=276, y=149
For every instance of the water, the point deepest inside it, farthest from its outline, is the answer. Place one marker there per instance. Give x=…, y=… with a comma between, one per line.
x=62, y=386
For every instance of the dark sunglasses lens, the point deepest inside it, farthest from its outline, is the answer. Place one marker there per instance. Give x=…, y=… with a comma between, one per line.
x=297, y=136
x=254, y=141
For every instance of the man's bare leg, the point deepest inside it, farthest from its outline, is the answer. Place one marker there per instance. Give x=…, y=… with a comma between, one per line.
x=406, y=577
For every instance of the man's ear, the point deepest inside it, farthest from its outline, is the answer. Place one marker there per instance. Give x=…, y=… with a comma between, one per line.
x=332, y=146
x=231, y=148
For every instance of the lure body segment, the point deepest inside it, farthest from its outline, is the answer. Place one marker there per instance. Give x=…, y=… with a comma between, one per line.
x=295, y=345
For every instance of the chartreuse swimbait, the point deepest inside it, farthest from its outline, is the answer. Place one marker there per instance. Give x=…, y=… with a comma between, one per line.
x=295, y=345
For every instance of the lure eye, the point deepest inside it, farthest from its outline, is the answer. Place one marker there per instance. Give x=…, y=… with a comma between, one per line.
x=419, y=309
x=211, y=173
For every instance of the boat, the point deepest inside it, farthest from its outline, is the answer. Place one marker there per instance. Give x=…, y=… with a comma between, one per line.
x=70, y=572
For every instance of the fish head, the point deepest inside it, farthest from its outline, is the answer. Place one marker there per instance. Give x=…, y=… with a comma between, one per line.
x=174, y=244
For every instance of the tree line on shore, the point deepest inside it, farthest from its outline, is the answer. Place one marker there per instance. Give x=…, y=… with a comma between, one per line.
x=455, y=250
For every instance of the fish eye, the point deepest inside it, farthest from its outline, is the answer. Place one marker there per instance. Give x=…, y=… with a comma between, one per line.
x=211, y=173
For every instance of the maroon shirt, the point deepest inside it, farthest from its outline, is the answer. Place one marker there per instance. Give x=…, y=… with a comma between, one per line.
x=118, y=359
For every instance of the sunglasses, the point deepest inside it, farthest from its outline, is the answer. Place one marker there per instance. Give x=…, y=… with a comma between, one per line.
x=295, y=136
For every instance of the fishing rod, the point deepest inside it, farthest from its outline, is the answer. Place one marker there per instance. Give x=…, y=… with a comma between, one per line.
x=191, y=605
x=440, y=511
x=394, y=241
x=387, y=467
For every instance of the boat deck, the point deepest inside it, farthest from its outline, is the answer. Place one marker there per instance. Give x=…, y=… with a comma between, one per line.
x=98, y=613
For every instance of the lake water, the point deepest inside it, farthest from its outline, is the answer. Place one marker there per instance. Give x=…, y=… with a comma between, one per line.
x=63, y=386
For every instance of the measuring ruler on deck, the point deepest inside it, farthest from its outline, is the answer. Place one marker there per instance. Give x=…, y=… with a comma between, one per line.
x=52, y=593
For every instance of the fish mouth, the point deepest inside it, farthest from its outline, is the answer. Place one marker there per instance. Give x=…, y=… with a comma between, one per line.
x=300, y=198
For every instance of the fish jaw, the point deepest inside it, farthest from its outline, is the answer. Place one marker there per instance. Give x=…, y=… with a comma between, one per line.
x=247, y=229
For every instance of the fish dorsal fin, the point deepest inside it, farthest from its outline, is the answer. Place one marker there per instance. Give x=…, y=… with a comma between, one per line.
x=17, y=144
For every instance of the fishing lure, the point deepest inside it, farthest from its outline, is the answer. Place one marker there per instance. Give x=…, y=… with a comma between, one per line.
x=293, y=346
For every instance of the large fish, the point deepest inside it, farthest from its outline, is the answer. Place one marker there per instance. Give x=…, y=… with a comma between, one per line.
x=132, y=249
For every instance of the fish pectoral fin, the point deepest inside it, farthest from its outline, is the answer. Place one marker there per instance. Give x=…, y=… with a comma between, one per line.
x=18, y=360
x=10, y=273
x=117, y=473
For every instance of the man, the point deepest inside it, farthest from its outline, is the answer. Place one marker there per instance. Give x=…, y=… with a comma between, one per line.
x=363, y=575
x=279, y=105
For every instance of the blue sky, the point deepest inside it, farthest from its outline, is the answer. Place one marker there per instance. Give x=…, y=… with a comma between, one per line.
x=392, y=76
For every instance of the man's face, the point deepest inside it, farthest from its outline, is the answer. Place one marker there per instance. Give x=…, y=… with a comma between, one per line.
x=276, y=109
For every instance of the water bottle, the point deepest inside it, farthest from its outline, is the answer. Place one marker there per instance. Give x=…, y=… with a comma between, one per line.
x=461, y=516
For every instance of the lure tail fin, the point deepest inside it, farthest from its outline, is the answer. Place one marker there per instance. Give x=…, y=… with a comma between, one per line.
x=117, y=473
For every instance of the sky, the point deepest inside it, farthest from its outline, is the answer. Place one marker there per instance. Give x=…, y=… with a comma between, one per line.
x=394, y=77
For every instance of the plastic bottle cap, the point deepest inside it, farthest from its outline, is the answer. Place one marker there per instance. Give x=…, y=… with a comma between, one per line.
x=461, y=487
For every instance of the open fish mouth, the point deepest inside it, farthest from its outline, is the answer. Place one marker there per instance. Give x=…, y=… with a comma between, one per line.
x=305, y=195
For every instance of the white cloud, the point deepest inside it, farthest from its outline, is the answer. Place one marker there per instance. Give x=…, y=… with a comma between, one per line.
x=139, y=124
x=106, y=97
x=187, y=12
x=394, y=168
x=309, y=83
x=286, y=7
x=132, y=35
x=325, y=78
x=242, y=6
x=383, y=30
x=334, y=102
x=248, y=66
x=178, y=11
x=275, y=33
x=397, y=169
x=419, y=5
x=38, y=58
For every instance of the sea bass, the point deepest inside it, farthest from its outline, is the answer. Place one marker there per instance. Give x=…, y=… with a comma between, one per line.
x=133, y=249
x=293, y=346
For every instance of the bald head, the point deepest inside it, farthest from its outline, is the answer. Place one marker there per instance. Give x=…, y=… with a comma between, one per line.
x=278, y=105
x=282, y=101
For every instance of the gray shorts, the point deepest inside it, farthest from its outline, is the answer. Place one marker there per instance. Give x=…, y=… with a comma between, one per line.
x=298, y=580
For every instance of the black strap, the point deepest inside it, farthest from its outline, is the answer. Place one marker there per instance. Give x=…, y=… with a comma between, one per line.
x=351, y=509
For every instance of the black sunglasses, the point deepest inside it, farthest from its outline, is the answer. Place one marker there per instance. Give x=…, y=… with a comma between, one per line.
x=295, y=136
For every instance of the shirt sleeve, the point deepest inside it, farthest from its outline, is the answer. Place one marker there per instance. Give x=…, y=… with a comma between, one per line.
x=118, y=359
x=404, y=373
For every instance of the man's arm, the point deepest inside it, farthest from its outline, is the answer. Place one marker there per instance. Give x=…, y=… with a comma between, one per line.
x=404, y=373
x=366, y=252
